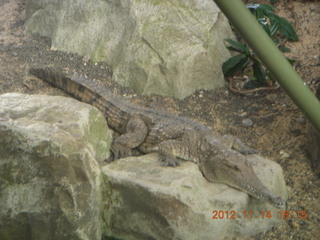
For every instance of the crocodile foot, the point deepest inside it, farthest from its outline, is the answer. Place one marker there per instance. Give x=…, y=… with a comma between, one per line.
x=121, y=151
x=169, y=162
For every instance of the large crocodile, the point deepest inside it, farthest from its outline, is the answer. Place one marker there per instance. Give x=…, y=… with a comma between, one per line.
x=220, y=159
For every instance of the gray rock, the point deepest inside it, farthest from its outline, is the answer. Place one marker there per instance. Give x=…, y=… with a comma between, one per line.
x=143, y=200
x=155, y=47
x=50, y=149
x=301, y=120
x=272, y=97
x=247, y=122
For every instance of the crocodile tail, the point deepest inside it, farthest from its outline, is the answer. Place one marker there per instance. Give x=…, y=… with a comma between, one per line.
x=82, y=88
x=61, y=80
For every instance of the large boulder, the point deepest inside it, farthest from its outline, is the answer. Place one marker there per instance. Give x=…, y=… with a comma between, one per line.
x=143, y=200
x=50, y=149
x=170, y=48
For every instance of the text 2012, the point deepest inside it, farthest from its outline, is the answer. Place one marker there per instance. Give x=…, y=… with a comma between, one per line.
x=219, y=214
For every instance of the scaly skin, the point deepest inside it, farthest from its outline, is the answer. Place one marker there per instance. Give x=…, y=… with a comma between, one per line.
x=170, y=135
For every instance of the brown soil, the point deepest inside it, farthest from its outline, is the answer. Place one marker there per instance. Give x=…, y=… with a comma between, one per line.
x=279, y=129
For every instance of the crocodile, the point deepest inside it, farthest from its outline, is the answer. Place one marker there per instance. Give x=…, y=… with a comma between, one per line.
x=221, y=159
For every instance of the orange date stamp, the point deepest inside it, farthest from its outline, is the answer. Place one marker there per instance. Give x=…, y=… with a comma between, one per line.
x=285, y=214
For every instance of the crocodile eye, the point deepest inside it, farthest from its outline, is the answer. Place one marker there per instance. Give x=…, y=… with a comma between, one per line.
x=205, y=144
x=231, y=165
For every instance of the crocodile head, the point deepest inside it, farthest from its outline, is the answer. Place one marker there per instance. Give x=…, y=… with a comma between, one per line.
x=232, y=168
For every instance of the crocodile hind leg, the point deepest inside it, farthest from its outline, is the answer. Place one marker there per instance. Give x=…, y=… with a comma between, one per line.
x=135, y=135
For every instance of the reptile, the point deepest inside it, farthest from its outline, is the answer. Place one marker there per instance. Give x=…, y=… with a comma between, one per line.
x=221, y=159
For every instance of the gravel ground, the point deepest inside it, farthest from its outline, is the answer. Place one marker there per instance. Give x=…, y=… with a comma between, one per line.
x=278, y=130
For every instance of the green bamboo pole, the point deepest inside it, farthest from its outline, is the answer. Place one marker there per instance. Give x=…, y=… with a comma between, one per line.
x=272, y=58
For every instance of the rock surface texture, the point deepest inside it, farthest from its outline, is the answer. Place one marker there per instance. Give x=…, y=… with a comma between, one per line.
x=155, y=47
x=49, y=172
x=54, y=185
x=153, y=202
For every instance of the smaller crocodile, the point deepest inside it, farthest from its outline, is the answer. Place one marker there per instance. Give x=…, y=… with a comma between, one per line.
x=220, y=159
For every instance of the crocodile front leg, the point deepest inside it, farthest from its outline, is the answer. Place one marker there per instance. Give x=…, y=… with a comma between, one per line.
x=136, y=132
x=170, y=150
x=186, y=147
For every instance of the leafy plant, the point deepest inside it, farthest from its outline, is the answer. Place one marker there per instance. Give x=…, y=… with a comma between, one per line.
x=278, y=29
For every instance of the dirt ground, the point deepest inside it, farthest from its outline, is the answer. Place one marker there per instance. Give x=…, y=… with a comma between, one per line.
x=278, y=130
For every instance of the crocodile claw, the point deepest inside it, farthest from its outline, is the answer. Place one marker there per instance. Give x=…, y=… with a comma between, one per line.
x=170, y=162
x=121, y=151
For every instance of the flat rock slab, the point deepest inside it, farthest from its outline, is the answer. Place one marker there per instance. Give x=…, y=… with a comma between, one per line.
x=144, y=200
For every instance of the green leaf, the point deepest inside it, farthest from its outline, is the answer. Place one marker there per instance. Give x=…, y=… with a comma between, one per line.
x=260, y=15
x=284, y=49
x=236, y=46
x=285, y=27
x=253, y=84
x=291, y=61
x=266, y=29
x=276, y=41
x=252, y=6
x=259, y=79
x=266, y=7
x=273, y=29
x=262, y=12
x=258, y=71
x=228, y=65
x=260, y=9
x=235, y=64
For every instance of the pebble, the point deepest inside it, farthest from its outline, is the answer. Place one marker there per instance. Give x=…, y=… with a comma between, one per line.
x=242, y=114
x=300, y=120
x=247, y=122
x=284, y=154
x=272, y=97
x=293, y=224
